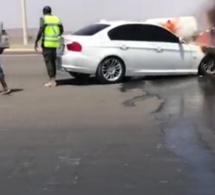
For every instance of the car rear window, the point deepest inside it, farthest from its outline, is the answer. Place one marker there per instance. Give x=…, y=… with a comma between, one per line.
x=91, y=30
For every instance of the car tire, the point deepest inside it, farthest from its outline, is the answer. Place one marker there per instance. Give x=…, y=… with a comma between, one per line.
x=207, y=66
x=79, y=76
x=111, y=70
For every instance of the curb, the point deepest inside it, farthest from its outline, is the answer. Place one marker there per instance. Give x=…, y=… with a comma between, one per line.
x=21, y=51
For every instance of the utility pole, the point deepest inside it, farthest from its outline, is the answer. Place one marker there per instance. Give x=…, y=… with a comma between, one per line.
x=24, y=22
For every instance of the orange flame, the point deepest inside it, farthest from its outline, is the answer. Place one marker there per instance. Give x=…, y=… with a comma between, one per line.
x=171, y=25
x=203, y=39
x=206, y=38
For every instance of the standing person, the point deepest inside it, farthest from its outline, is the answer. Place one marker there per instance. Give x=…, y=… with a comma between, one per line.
x=6, y=90
x=50, y=31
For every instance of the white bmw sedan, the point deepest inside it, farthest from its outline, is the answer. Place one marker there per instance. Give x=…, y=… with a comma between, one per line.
x=116, y=50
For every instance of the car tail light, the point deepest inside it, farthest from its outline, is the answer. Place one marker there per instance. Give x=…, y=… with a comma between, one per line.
x=75, y=46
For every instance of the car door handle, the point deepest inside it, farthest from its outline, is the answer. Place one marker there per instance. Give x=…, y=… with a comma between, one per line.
x=159, y=49
x=124, y=47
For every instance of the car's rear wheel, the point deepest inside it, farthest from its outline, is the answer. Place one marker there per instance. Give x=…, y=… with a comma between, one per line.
x=111, y=70
x=79, y=76
x=207, y=66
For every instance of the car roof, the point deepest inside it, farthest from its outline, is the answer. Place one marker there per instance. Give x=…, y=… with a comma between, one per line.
x=115, y=23
x=120, y=22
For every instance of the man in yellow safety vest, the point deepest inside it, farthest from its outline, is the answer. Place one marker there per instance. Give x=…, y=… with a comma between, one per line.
x=50, y=31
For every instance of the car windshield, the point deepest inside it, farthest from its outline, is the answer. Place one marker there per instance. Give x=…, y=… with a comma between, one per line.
x=90, y=30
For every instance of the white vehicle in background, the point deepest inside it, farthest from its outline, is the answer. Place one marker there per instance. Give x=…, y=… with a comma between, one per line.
x=114, y=50
x=4, y=39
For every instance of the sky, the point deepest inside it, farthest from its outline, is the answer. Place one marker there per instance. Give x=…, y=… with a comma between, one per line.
x=77, y=13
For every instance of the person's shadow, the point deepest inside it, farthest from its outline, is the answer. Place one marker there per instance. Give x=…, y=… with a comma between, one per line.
x=14, y=90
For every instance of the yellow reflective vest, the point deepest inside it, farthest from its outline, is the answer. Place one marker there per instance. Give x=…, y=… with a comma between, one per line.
x=51, y=34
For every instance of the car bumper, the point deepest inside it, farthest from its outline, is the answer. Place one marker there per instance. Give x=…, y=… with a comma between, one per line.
x=77, y=63
x=4, y=46
x=5, y=42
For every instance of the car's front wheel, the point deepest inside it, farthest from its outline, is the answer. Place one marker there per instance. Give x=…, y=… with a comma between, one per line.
x=207, y=66
x=111, y=70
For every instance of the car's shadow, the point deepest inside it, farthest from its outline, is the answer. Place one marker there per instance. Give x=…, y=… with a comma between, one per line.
x=73, y=81
x=131, y=82
x=138, y=82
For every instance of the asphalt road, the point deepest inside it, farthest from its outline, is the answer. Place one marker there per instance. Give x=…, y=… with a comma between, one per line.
x=148, y=136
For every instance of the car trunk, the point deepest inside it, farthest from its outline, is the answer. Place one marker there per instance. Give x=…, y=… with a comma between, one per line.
x=69, y=39
x=71, y=43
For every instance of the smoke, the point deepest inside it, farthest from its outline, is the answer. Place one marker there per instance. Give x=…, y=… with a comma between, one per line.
x=207, y=37
x=211, y=13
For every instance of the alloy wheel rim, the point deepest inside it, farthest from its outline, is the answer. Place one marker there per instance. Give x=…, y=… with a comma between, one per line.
x=112, y=69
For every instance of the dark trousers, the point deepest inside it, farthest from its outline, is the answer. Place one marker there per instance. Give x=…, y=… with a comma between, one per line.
x=50, y=56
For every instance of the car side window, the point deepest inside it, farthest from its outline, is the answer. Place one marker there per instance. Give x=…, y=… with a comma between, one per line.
x=129, y=32
x=90, y=30
x=142, y=32
x=159, y=34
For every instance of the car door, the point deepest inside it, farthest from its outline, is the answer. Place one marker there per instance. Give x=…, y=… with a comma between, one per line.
x=138, y=54
x=172, y=56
